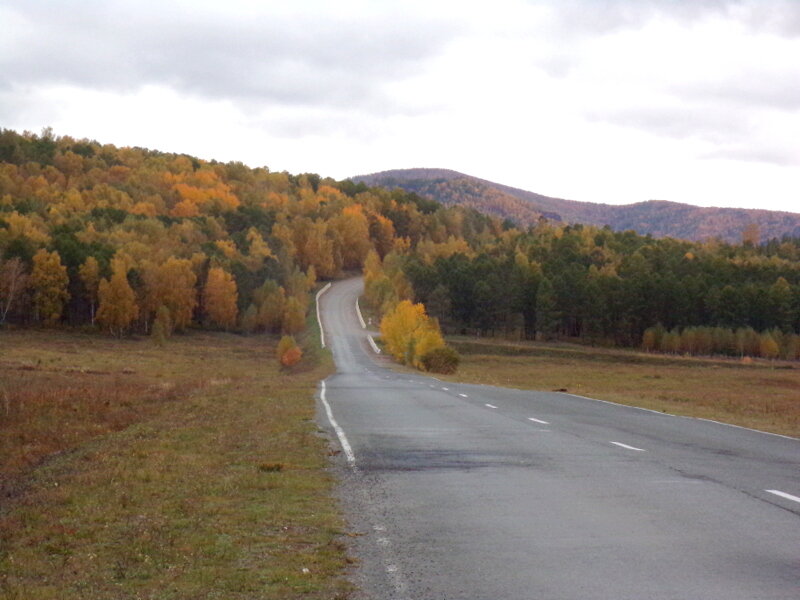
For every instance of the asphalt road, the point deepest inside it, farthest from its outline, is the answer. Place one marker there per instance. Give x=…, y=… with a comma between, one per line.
x=484, y=493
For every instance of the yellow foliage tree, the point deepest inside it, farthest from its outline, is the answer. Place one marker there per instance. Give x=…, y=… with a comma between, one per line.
x=353, y=229
x=381, y=230
x=318, y=251
x=171, y=284
x=294, y=317
x=409, y=333
x=258, y=251
x=219, y=298
x=118, y=307
x=49, y=284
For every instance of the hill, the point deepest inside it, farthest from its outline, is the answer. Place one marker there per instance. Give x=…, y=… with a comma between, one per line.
x=655, y=217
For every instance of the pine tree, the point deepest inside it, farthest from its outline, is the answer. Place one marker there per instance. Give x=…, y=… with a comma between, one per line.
x=547, y=314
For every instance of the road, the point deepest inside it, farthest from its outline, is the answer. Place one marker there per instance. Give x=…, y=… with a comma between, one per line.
x=484, y=493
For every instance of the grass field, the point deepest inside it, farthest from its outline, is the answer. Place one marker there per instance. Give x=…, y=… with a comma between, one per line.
x=192, y=470
x=760, y=394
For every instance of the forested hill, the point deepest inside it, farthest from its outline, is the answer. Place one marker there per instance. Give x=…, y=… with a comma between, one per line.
x=128, y=238
x=655, y=217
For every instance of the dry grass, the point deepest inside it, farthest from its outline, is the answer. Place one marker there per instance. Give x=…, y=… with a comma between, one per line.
x=188, y=471
x=763, y=395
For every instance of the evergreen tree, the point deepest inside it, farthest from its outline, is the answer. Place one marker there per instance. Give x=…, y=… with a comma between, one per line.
x=547, y=313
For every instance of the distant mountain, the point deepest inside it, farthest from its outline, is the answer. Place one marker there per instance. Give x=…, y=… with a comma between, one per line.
x=656, y=217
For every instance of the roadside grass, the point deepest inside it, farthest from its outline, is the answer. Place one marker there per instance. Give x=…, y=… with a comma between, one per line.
x=759, y=394
x=192, y=470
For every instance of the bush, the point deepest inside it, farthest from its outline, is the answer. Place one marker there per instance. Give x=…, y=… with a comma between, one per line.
x=288, y=352
x=441, y=360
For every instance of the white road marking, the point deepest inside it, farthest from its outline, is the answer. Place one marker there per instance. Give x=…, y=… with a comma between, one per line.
x=628, y=447
x=360, y=318
x=446, y=389
x=538, y=421
x=373, y=344
x=348, y=450
x=383, y=541
x=391, y=568
x=490, y=405
x=463, y=395
x=666, y=414
x=319, y=319
x=784, y=495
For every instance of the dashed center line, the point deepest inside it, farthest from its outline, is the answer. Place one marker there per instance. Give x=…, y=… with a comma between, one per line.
x=490, y=406
x=445, y=389
x=463, y=395
x=784, y=495
x=629, y=447
x=538, y=421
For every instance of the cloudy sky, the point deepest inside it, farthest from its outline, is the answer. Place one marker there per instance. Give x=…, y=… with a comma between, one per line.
x=606, y=101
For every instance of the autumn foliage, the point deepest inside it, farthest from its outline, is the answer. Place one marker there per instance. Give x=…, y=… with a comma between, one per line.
x=410, y=336
x=288, y=352
x=219, y=298
x=218, y=245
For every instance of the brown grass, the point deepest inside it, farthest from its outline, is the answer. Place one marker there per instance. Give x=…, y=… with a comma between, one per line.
x=759, y=394
x=188, y=471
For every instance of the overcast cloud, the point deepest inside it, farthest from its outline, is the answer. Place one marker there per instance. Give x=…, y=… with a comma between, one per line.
x=612, y=101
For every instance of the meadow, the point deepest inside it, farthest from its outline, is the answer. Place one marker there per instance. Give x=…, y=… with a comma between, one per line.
x=756, y=393
x=188, y=470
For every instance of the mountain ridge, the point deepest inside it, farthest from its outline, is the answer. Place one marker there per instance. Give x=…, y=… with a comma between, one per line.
x=660, y=218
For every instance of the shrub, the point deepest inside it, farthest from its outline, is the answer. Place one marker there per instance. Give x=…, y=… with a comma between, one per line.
x=441, y=360
x=292, y=356
x=288, y=352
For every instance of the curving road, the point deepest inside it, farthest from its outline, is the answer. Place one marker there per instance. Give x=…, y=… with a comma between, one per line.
x=484, y=493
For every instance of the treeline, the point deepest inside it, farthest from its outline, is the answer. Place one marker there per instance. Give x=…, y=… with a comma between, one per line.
x=130, y=239
x=707, y=341
x=600, y=286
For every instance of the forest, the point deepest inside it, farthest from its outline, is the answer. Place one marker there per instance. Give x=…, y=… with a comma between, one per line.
x=597, y=286
x=131, y=240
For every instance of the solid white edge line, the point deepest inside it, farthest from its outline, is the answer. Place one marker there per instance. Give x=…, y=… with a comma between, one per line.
x=629, y=447
x=784, y=495
x=666, y=414
x=538, y=421
x=319, y=319
x=373, y=344
x=360, y=318
x=348, y=450
x=490, y=406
